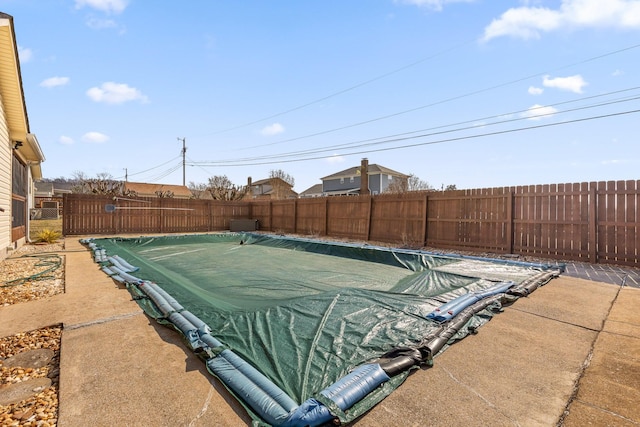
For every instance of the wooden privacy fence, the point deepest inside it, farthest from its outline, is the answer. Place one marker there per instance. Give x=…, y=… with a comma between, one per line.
x=91, y=214
x=590, y=222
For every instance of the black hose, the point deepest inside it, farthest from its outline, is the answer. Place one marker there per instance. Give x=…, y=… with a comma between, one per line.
x=532, y=283
x=455, y=324
x=399, y=360
x=402, y=358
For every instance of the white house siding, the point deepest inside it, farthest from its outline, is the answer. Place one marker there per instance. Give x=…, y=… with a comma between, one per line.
x=5, y=184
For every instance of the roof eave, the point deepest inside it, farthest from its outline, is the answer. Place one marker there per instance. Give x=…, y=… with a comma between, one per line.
x=11, y=82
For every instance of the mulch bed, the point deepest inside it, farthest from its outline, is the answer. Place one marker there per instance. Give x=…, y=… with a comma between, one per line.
x=31, y=273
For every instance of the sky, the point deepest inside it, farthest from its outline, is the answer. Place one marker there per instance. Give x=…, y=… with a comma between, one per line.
x=471, y=93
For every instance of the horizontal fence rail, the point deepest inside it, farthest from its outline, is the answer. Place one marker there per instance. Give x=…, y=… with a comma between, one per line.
x=595, y=222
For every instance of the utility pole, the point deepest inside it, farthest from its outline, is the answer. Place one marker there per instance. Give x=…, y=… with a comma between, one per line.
x=184, y=162
x=126, y=175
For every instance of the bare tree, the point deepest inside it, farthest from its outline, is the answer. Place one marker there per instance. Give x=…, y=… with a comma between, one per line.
x=164, y=194
x=103, y=183
x=78, y=179
x=279, y=173
x=397, y=186
x=416, y=184
x=281, y=183
x=79, y=175
x=104, y=176
x=197, y=189
x=221, y=188
x=411, y=183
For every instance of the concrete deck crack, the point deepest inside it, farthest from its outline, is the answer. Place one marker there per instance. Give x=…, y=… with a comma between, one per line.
x=484, y=399
x=555, y=320
x=204, y=407
x=101, y=321
x=586, y=363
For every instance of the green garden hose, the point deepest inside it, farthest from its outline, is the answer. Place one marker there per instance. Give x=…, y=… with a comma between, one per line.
x=51, y=261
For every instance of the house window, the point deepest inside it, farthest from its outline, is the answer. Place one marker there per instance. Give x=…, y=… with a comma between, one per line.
x=350, y=179
x=341, y=180
x=390, y=177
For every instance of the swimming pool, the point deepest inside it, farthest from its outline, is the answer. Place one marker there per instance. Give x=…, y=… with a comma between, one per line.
x=302, y=331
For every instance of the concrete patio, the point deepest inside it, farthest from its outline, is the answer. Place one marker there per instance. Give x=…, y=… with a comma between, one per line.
x=569, y=354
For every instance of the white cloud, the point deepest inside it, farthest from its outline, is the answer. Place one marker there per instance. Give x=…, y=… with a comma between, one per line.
x=570, y=84
x=535, y=90
x=537, y=112
x=65, y=140
x=101, y=24
x=617, y=73
x=115, y=93
x=273, y=129
x=95, y=137
x=25, y=54
x=433, y=4
x=54, y=81
x=529, y=22
x=335, y=159
x=108, y=6
x=522, y=22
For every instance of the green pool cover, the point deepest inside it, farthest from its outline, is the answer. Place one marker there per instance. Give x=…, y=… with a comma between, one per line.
x=305, y=312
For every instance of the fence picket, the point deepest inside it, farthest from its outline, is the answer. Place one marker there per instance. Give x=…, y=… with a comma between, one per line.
x=595, y=221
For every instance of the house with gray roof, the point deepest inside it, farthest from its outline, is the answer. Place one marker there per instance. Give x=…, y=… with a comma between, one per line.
x=353, y=182
x=313, y=191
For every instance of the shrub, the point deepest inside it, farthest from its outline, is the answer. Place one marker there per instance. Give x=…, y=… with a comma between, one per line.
x=48, y=236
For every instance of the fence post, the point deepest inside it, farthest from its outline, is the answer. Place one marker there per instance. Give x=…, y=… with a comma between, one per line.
x=593, y=220
x=295, y=215
x=210, y=205
x=116, y=220
x=425, y=218
x=510, y=227
x=369, y=211
x=326, y=216
x=161, y=215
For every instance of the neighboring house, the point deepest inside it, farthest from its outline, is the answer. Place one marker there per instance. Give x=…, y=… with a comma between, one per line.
x=20, y=153
x=44, y=190
x=141, y=189
x=271, y=188
x=51, y=190
x=350, y=181
x=49, y=197
x=313, y=191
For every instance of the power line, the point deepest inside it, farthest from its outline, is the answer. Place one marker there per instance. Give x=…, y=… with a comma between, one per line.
x=155, y=167
x=447, y=100
x=399, y=147
x=342, y=91
x=392, y=138
x=258, y=159
x=194, y=163
x=166, y=173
